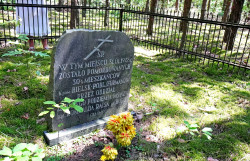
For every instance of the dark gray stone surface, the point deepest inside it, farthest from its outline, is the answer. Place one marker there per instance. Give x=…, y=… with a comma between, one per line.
x=73, y=132
x=95, y=66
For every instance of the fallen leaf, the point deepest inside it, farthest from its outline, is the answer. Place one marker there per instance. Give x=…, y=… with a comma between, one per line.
x=95, y=138
x=39, y=121
x=181, y=140
x=151, y=138
x=19, y=84
x=90, y=154
x=25, y=116
x=25, y=89
x=211, y=159
x=18, y=103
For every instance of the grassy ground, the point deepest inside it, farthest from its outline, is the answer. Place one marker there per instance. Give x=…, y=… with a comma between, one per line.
x=167, y=90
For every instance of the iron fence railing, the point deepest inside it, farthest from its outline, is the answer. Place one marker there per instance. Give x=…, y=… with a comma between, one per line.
x=191, y=37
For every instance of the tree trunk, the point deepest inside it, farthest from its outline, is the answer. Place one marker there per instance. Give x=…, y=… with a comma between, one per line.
x=203, y=9
x=208, y=6
x=224, y=4
x=60, y=2
x=177, y=5
x=185, y=13
x=73, y=15
x=147, y=6
x=162, y=4
x=248, y=6
x=84, y=10
x=106, y=15
x=226, y=11
x=230, y=32
x=151, y=18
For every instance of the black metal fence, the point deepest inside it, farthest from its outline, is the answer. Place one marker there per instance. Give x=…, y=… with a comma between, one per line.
x=203, y=40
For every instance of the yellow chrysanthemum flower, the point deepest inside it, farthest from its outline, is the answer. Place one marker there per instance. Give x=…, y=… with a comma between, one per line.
x=132, y=131
x=103, y=158
x=109, y=153
x=126, y=119
x=123, y=139
x=114, y=124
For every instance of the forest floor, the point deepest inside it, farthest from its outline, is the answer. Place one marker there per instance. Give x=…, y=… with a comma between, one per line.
x=167, y=94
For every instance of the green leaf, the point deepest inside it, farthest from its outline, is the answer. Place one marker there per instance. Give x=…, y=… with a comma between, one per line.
x=207, y=129
x=67, y=100
x=49, y=103
x=38, y=72
x=193, y=129
x=40, y=54
x=52, y=114
x=14, y=42
x=60, y=125
x=41, y=155
x=186, y=123
x=65, y=109
x=78, y=108
x=208, y=137
x=7, y=159
x=25, y=158
x=32, y=147
x=207, y=133
x=6, y=151
x=43, y=113
x=20, y=147
x=79, y=100
x=36, y=159
x=27, y=153
x=194, y=125
x=192, y=133
x=17, y=153
x=50, y=108
x=13, y=53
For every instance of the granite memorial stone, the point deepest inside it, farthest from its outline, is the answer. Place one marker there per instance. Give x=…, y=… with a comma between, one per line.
x=95, y=66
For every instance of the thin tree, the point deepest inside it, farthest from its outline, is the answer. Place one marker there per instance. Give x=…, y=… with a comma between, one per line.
x=106, y=15
x=73, y=15
x=185, y=13
x=153, y=4
x=128, y=2
x=230, y=32
x=147, y=6
x=162, y=4
x=203, y=9
x=208, y=6
x=84, y=10
x=177, y=5
x=226, y=10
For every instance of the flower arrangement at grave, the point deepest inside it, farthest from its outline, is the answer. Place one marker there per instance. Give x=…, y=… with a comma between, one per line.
x=109, y=153
x=123, y=129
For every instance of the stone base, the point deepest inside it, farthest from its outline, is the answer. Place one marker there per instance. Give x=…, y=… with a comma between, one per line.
x=73, y=132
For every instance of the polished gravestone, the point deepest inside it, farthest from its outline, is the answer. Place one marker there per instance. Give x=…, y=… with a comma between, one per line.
x=95, y=66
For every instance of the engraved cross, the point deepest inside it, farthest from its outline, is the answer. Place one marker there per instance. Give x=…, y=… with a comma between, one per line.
x=97, y=48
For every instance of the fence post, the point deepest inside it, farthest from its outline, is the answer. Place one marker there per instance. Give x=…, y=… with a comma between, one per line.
x=120, y=19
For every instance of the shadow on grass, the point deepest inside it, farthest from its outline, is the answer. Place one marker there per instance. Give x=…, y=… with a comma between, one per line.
x=230, y=141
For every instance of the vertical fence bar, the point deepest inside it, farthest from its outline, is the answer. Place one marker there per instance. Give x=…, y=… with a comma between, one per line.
x=121, y=19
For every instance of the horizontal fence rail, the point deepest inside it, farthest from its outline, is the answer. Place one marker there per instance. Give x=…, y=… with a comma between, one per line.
x=209, y=40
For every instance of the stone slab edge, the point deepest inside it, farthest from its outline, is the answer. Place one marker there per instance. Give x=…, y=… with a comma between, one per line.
x=75, y=131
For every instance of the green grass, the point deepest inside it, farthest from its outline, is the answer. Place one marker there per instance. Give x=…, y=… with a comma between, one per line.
x=181, y=91
x=178, y=89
